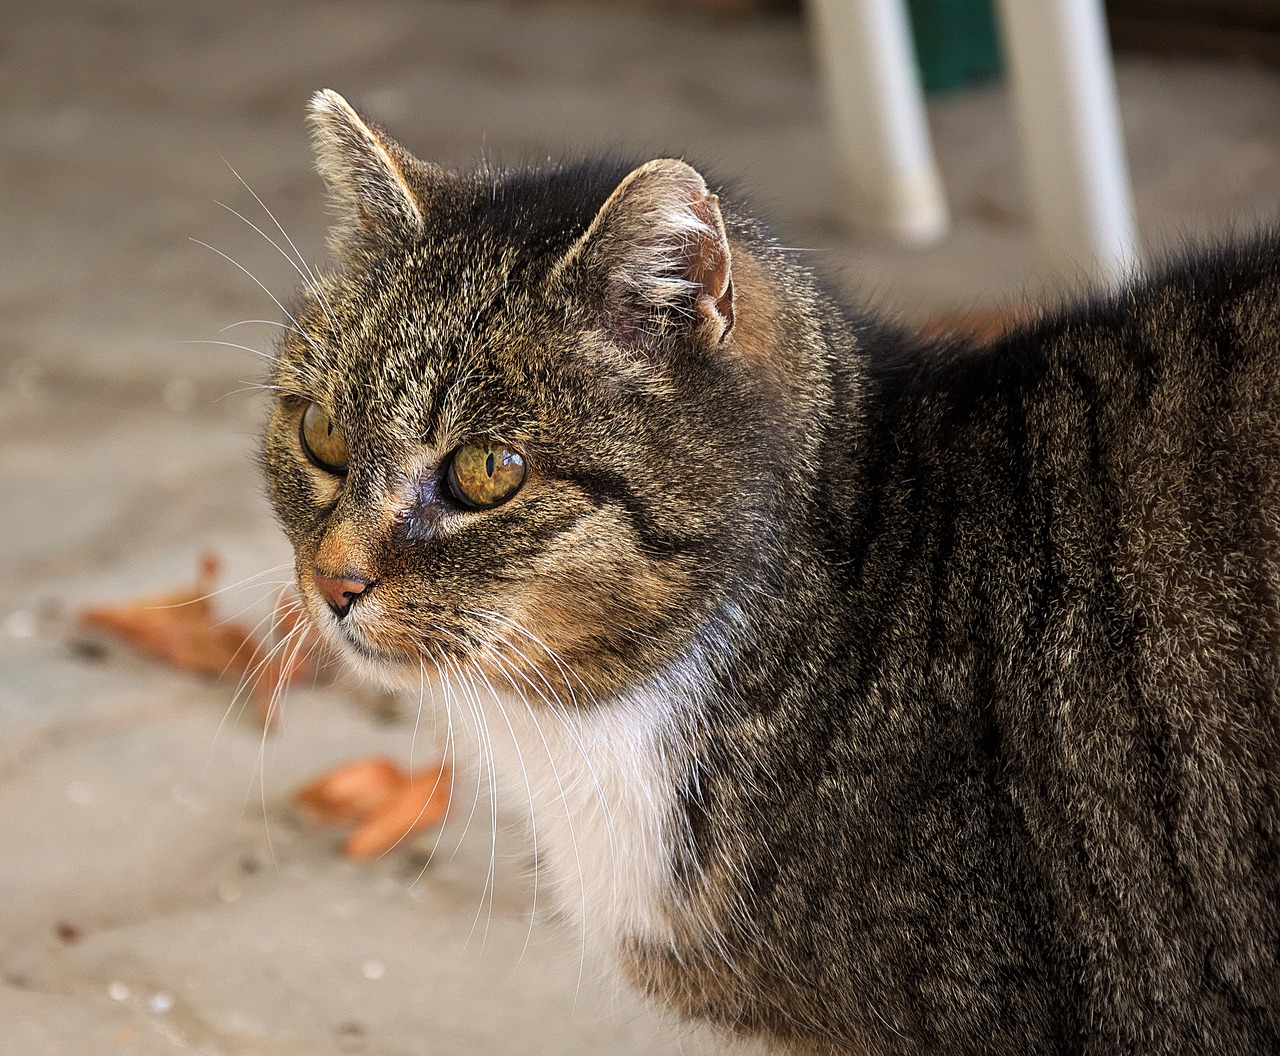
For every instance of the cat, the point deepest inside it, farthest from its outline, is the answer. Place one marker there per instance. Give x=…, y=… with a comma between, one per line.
x=872, y=694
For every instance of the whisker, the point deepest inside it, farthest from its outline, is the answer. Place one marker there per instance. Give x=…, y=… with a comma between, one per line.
x=237, y=585
x=475, y=801
x=249, y=680
x=552, y=655
x=308, y=280
x=227, y=344
x=231, y=707
x=293, y=640
x=555, y=710
x=533, y=829
x=261, y=322
x=487, y=760
x=256, y=386
x=450, y=747
x=258, y=282
x=314, y=280
x=417, y=722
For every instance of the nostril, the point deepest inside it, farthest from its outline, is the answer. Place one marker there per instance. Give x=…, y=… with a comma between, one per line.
x=340, y=591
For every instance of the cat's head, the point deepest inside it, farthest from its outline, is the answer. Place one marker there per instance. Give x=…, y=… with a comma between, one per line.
x=518, y=431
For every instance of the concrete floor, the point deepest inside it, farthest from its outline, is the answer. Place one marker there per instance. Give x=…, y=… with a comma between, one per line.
x=157, y=893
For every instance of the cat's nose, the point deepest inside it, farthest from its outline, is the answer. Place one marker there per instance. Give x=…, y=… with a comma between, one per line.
x=339, y=591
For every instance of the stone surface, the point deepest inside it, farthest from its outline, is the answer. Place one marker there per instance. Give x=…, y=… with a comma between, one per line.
x=159, y=895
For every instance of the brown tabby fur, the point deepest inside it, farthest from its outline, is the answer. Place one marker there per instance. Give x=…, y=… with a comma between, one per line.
x=963, y=658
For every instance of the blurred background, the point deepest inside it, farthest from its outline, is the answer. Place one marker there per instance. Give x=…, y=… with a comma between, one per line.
x=159, y=893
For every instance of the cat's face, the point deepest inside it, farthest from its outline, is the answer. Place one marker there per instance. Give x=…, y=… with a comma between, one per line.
x=509, y=434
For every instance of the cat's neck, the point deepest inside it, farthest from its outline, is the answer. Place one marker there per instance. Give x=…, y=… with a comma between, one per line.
x=601, y=780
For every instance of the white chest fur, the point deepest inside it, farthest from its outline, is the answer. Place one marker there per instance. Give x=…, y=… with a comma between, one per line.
x=601, y=785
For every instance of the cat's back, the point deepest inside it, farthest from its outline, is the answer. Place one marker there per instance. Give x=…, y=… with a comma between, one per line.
x=1144, y=424
x=1156, y=415
x=1086, y=513
x=1159, y=410
x=1195, y=341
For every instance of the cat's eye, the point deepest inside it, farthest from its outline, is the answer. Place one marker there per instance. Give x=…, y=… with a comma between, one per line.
x=483, y=475
x=321, y=441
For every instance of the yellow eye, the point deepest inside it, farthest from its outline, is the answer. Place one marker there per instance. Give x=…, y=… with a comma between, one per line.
x=321, y=441
x=483, y=475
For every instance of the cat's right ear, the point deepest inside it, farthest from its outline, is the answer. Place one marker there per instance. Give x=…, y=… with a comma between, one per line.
x=659, y=243
x=375, y=185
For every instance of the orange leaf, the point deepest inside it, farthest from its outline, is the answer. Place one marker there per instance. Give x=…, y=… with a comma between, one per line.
x=353, y=791
x=180, y=628
x=421, y=803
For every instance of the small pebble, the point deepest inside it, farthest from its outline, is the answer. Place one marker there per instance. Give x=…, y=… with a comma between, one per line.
x=118, y=992
x=373, y=970
x=80, y=794
x=88, y=650
x=349, y=1032
x=21, y=623
x=160, y=1003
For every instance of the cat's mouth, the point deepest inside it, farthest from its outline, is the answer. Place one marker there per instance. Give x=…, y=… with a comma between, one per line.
x=361, y=635
x=495, y=648
x=385, y=646
x=350, y=639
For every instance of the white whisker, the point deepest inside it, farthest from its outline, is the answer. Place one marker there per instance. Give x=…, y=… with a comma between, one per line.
x=449, y=751
x=258, y=282
x=529, y=792
x=487, y=758
x=309, y=278
x=227, y=344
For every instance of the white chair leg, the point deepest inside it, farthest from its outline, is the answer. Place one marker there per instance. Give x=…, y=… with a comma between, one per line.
x=876, y=106
x=1064, y=98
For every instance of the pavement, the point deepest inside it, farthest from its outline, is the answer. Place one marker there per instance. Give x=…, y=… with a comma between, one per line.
x=158, y=893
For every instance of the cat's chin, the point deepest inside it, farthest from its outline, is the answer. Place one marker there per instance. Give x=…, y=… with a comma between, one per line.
x=400, y=670
x=388, y=670
x=391, y=670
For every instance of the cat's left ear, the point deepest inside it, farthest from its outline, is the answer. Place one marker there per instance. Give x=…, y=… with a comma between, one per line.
x=660, y=242
x=376, y=186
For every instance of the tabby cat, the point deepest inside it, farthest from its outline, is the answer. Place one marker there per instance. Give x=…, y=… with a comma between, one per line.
x=872, y=694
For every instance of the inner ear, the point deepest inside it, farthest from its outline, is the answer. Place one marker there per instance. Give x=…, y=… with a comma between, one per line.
x=375, y=185
x=659, y=241
x=710, y=269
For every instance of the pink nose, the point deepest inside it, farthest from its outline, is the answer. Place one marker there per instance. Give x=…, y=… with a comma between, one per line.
x=339, y=592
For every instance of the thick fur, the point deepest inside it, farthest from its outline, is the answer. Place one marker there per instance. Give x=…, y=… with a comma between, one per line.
x=947, y=672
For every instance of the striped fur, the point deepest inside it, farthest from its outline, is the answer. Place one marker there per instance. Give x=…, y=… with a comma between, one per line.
x=910, y=696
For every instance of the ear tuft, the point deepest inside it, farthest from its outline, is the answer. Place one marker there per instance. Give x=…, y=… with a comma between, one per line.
x=367, y=172
x=660, y=238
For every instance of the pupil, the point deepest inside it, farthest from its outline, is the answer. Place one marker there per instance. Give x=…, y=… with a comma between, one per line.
x=488, y=464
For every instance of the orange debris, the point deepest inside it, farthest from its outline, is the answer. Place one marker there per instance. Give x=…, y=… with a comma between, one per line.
x=385, y=801
x=180, y=628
